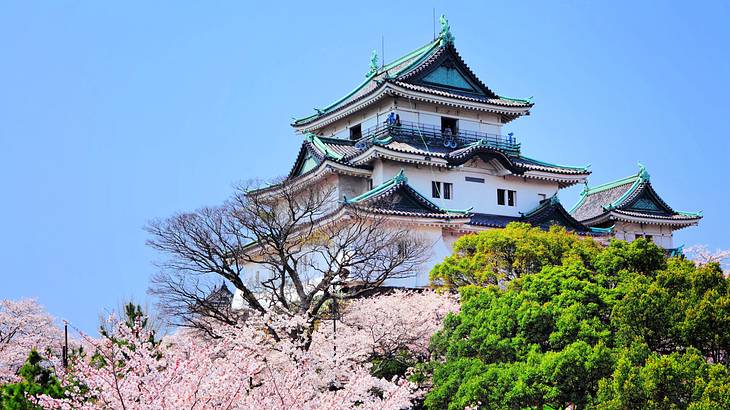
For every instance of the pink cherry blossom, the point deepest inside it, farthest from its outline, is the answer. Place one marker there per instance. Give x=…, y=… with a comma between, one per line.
x=24, y=325
x=247, y=369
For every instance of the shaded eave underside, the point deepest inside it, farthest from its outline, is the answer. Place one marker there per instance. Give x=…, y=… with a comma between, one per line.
x=678, y=220
x=390, y=89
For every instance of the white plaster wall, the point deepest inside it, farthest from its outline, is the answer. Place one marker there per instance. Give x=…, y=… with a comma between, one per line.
x=368, y=117
x=661, y=235
x=423, y=113
x=426, y=113
x=440, y=249
x=351, y=186
x=252, y=276
x=481, y=196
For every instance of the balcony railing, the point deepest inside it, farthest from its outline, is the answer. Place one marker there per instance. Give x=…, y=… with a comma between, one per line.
x=435, y=137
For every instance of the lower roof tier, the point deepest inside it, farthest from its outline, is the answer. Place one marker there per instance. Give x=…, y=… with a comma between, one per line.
x=396, y=197
x=632, y=200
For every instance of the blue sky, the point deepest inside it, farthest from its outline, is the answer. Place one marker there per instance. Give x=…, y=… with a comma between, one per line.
x=114, y=114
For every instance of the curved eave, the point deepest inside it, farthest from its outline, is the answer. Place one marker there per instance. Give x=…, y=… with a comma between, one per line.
x=678, y=220
x=416, y=218
x=550, y=166
x=389, y=89
x=383, y=152
x=325, y=168
x=485, y=153
x=563, y=180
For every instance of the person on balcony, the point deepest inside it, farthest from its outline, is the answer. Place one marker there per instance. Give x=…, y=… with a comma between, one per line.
x=448, y=136
x=391, y=120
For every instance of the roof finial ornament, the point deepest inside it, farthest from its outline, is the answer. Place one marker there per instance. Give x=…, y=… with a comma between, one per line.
x=643, y=173
x=373, y=63
x=445, y=34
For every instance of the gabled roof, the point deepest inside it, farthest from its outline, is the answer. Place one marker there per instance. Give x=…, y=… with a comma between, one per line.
x=435, y=68
x=548, y=213
x=551, y=212
x=315, y=150
x=631, y=199
x=396, y=197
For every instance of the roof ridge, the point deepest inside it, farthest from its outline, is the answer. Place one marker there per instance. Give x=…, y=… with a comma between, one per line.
x=371, y=76
x=550, y=164
x=632, y=189
x=524, y=100
x=608, y=185
x=400, y=177
x=323, y=147
x=420, y=50
x=642, y=175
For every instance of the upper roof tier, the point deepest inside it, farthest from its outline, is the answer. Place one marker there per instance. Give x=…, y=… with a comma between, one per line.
x=631, y=199
x=433, y=71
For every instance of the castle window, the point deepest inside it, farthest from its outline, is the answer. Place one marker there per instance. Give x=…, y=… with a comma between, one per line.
x=506, y=197
x=450, y=123
x=443, y=190
x=448, y=190
x=472, y=179
x=435, y=189
x=356, y=132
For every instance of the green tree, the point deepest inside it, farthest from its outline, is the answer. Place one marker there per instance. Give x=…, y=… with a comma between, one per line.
x=674, y=381
x=37, y=378
x=491, y=256
x=614, y=327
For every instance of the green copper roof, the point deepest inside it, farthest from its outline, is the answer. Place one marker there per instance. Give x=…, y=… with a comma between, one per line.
x=522, y=100
x=635, y=180
x=641, y=176
x=322, y=146
x=417, y=54
x=675, y=252
x=693, y=214
x=553, y=200
x=548, y=164
x=398, y=178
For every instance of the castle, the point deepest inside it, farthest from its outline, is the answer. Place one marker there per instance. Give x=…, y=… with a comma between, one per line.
x=420, y=140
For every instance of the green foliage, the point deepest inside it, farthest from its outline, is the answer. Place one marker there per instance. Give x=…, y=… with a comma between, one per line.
x=395, y=365
x=615, y=327
x=36, y=379
x=491, y=256
x=674, y=381
x=132, y=313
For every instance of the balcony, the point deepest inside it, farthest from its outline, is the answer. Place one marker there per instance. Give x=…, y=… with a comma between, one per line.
x=435, y=139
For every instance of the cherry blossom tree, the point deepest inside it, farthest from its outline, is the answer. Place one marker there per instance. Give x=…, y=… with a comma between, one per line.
x=245, y=367
x=25, y=325
x=703, y=255
x=306, y=241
